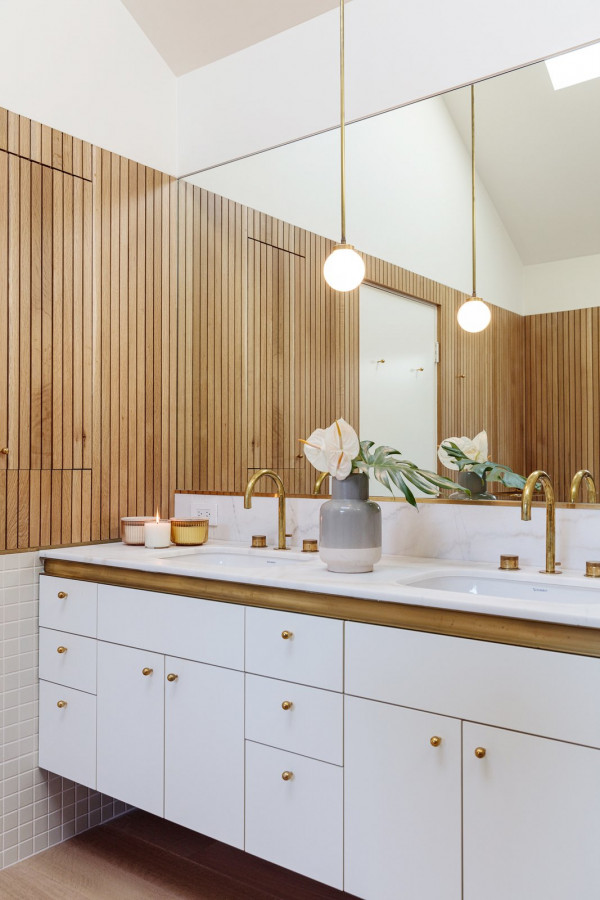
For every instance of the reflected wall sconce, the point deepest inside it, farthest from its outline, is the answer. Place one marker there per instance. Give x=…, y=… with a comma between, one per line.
x=344, y=268
x=474, y=315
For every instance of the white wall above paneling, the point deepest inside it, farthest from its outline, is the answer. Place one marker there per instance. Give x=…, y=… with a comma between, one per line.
x=87, y=69
x=286, y=87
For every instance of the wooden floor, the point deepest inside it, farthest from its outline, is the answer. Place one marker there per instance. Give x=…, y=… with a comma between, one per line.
x=141, y=856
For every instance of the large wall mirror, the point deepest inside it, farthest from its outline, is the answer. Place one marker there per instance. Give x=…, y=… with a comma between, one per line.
x=538, y=238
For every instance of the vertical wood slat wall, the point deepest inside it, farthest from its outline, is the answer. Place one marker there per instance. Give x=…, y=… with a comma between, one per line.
x=267, y=351
x=87, y=338
x=562, y=406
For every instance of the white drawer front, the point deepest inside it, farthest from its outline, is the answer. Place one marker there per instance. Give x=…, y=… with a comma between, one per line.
x=535, y=691
x=297, y=823
x=202, y=630
x=68, y=605
x=312, y=652
x=68, y=659
x=68, y=733
x=312, y=725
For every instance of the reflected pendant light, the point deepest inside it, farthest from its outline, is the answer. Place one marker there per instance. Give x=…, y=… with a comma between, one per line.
x=344, y=269
x=474, y=315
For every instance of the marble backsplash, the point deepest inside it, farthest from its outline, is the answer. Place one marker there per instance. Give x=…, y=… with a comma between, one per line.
x=446, y=530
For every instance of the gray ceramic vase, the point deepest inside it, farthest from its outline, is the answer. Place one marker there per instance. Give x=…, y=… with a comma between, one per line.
x=350, y=527
x=474, y=483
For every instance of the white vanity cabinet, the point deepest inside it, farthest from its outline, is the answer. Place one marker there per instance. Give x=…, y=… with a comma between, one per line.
x=171, y=729
x=67, y=669
x=529, y=800
x=294, y=746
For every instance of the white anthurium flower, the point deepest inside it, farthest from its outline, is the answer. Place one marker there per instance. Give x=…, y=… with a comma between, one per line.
x=342, y=445
x=314, y=449
x=475, y=448
x=333, y=449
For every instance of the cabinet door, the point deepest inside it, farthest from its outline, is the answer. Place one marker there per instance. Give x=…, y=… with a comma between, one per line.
x=204, y=749
x=296, y=821
x=402, y=804
x=131, y=725
x=530, y=817
x=68, y=733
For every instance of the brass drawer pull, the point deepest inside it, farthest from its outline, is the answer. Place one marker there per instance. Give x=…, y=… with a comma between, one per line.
x=61, y=649
x=4, y=451
x=435, y=741
x=172, y=676
x=479, y=752
x=287, y=704
x=147, y=671
x=287, y=776
x=286, y=635
x=61, y=704
x=62, y=595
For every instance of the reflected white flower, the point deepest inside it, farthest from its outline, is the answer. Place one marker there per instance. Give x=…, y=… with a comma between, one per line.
x=333, y=449
x=475, y=448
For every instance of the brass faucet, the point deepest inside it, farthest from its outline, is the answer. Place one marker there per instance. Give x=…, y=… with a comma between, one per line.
x=578, y=478
x=319, y=482
x=280, y=494
x=528, y=490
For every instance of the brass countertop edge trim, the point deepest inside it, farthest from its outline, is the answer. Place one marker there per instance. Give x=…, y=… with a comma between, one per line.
x=496, y=629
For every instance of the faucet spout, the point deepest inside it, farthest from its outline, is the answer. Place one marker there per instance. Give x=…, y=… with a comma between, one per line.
x=578, y=479
x=528, y=490
x=281, y=498
x=319, y=482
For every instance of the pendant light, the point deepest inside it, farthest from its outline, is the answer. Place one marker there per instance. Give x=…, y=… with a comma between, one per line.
x=344, y=269
x=474, y=315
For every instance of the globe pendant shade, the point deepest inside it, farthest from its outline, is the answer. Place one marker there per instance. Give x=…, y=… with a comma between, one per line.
x=344, y=269
x=474, y=315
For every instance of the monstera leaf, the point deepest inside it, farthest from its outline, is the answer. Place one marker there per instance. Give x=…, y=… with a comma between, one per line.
x=491, y=471
x=394, y=472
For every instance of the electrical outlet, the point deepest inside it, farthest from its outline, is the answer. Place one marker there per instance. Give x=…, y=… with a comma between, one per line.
x=202, y=510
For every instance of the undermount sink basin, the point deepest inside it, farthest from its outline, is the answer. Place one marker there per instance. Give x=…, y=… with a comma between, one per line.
x=488, y=585
x=224, y=559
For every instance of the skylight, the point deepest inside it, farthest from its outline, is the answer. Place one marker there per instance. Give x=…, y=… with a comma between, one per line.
x=575, y=67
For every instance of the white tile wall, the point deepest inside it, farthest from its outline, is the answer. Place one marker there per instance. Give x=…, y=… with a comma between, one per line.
x=37, y=809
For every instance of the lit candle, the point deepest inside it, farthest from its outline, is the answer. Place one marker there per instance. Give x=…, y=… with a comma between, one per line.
x=157, y=534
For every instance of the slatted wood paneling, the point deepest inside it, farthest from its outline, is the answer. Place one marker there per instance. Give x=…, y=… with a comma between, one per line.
x=266, y=350
x=87, y=338
x=562, y=401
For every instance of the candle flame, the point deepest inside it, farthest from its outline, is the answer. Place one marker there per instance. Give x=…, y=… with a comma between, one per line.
x=157, y=516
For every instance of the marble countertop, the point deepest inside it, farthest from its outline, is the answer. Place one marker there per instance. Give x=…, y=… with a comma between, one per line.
x=390, y=580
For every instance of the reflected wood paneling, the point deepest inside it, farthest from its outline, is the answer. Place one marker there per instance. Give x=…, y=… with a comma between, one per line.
x=562, y=406
x=87, y=338
x=267, y=353
x=481, y=377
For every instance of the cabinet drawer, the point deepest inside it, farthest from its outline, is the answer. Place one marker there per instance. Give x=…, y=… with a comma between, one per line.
x=68, y=659
x=313, y=724
x=68, y=605
x=297, y=823
x=202, y=630
x=535, y=691
x=68, y=733
x=311, y=654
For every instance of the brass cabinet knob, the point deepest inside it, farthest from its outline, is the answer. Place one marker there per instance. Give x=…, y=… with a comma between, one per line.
x=287, y=776
x=61, y=649
x=61, y=704
x=147, y=671
x=4, y=450
x=435, y=741
x=172, y=676
x=62, y=595
x=286, y=635
x=479, y=752
x=287, y=704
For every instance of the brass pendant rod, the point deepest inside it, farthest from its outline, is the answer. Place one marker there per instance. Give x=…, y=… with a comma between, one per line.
x=342, y=126
x=473, y=187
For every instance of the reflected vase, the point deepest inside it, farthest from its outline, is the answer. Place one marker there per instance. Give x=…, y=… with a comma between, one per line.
x=474, y=483
x=350, y=527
